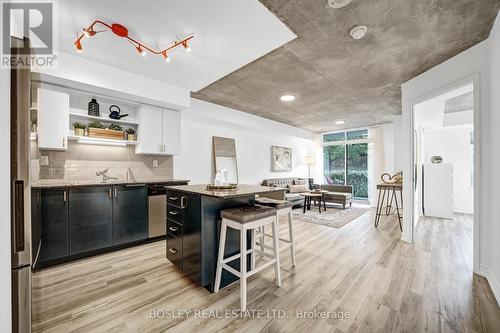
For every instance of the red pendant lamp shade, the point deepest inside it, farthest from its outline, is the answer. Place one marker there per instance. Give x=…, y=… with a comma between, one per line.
x=119, y=30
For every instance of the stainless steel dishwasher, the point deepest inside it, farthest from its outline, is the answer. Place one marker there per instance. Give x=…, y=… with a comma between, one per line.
x=157, y=197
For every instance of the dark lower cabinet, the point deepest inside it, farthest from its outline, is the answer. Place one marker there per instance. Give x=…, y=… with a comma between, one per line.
x=52, y=231
x=130, y=213
x=74, y=222
x=90, y=218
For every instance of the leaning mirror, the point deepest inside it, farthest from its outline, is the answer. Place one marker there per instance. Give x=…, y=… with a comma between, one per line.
x=224, y=150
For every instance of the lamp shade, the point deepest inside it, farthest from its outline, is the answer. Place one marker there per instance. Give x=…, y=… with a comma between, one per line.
x=308, y=160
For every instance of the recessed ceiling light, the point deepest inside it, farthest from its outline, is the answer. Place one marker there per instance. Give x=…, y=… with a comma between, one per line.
x=287, y=98
x=359, y=32
x=338, y=3
x=339, y=122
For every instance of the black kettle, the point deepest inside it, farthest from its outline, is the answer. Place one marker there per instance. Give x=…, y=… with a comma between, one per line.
x=114, y=112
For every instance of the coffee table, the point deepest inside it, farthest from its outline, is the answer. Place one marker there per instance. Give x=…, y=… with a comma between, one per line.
x=309, y=196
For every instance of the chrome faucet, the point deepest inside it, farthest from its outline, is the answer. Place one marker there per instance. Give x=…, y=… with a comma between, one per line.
x=104, y=174
x=130, y=175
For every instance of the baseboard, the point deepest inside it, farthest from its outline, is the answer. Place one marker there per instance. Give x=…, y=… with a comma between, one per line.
x=492, y=280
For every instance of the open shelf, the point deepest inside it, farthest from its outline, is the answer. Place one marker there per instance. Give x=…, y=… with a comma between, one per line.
x=74, y=114
x=101, y=141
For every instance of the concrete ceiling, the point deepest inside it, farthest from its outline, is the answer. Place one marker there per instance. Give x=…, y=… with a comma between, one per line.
x=226, y=36
x=337, y=78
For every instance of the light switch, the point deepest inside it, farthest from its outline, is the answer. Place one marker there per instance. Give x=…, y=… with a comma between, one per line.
x=44, y=160
x=155, y=163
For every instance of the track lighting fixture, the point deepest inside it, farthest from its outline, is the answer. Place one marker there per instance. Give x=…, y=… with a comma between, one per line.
x=122, y=31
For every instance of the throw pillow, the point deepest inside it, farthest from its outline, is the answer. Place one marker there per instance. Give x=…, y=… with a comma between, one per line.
x=297, y=188
x=299, y=182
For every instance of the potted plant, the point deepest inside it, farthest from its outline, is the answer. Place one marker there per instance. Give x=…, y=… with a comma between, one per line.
x=130, y=134
x=79, y=129
x=98, y=130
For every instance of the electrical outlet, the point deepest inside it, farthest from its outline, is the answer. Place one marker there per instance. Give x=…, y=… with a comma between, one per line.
x=44, y=160
x=155, y=163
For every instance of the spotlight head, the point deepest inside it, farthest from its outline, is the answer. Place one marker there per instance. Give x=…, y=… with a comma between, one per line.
x=165, y=56
x=141, y=51
x=78, y=46
x=186, y=47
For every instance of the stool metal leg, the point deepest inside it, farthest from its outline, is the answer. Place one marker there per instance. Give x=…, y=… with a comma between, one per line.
x=290, y=231
x=252, y=255
x=220, y=258
x=276, y=254
x=262, y=231
x=243, y=269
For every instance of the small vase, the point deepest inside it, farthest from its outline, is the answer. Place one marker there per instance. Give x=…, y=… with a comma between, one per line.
x=131, y=137
x=79, y=132
x=94, y=108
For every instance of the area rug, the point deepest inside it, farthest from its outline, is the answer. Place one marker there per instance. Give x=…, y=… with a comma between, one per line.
x=332, y=217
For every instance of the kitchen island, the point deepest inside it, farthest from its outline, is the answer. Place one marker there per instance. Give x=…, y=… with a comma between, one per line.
x=193, y=228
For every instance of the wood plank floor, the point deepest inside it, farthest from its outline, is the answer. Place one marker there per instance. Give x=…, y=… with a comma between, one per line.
x=386, y=285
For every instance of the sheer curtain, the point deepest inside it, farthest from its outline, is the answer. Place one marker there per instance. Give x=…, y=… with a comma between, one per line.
x=375, y=162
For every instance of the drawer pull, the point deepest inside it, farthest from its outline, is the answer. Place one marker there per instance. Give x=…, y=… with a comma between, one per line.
x=172, y=250
x=173, y=228
x=173, y=198
x=172, y=212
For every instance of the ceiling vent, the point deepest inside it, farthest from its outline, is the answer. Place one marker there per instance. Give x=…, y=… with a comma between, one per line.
x=358, y=32
x=338, y=3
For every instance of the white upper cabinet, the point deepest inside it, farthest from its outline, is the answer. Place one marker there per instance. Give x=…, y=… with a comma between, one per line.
x=53, y=119
x=159, y=131
x=171, y=132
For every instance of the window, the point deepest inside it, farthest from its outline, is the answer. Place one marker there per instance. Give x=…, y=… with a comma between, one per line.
x=345, y=158
x=357, y=135
x=334, y=137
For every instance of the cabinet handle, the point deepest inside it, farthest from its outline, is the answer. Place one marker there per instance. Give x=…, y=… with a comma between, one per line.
x=173, y=212
x=109, y=193
x=116, y=193
x=173, y=198
x=63, y=143
x=65, y=196
x=172, y=250
x=183, y=202
x=173, y=228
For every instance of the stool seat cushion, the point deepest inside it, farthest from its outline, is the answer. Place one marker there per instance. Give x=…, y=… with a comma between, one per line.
x=247, y=214
x=278, y=204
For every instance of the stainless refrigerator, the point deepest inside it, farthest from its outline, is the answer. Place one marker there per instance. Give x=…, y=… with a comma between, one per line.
x=20, y=192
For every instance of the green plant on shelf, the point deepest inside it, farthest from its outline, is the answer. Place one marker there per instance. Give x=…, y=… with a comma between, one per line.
x=96, y=124
x=130, y=131
x=79, y=125
x=115, y=127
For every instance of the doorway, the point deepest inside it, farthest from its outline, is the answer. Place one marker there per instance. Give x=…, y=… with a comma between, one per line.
x=444, y=131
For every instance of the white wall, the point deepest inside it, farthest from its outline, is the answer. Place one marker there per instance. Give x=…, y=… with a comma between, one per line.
x=491, y=202
x=397, y=145
x=5, y=271
x=453, y=144
x=253, y=135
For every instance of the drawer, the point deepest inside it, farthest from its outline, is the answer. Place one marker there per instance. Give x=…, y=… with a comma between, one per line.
x=175, y=198
x=174, y=213
x=174, y=228
x=174, y=250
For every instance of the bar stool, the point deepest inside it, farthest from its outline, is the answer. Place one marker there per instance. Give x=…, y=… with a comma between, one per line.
x=244, y=219
x=283, y=208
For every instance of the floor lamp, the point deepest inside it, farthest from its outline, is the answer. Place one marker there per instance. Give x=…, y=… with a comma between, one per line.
x=309, y=161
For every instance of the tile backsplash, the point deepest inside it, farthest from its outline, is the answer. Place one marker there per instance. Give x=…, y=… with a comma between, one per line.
x=81, y=162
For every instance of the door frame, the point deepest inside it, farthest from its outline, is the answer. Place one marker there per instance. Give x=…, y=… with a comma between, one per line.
x=410, y=220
